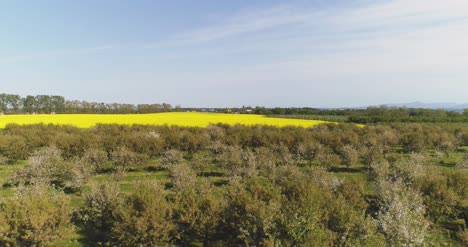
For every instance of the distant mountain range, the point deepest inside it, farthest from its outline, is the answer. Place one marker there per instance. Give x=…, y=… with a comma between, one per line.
x=445, y=106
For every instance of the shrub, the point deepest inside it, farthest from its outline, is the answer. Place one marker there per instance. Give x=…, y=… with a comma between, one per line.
x=329, y=159
x=349, y=155
x=301, y=223
x=310, y=150
x=14, y=148
x=145, y=219
x=350, y=224
x=201, y=162
x=71, y=145
x=124, y=157
x=463, y=165
x=96, y=157
x=34, y=217
x=240, y=162
x=4, y=160
x=47, y=166
x=444, y=195
x=198, y=214
x=149, y=143
x=97, y=217
x=372, y=155
x=401, y=216
x=251, y=213
x=413, y=142
x=171, y=157
x=182, y=177
x=463, y=236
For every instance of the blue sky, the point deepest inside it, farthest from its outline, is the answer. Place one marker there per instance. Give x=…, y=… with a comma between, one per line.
x=322, y=53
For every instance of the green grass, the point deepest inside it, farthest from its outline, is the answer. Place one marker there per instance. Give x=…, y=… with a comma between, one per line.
x=369, y=188
x=6, y=171
x=71, y=239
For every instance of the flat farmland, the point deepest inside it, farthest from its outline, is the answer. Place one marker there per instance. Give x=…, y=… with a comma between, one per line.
x=183, y=119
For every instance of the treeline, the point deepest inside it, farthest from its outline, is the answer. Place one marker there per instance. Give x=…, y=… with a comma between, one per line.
x=15, y=104
x=237, y=185
x=84, y=107
x=406, y=115
x=295, y=111
x=370, y=115
x=47, y=104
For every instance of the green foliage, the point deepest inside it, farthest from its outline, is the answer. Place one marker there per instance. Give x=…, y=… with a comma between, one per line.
x=47, y=166
x=14, y=148
x=401, y=216
x=96, y=158
x=198, y=214
x=171, y=157
x=34, y=217
x=310, y=150
x=349, y=155
x=201, y=162
x=237, y=185
x=72, y=145
x=301, y=221
x=124, y=157
x=445, y=195
x=182, y=177
x=4, y=160
x=251, y=213
x=98, y=217
x=145, y=218
x=463, y=236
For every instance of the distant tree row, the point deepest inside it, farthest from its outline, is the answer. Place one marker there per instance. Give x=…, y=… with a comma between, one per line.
x=46, y=104
x=77, y=106
x=10, y=103
x=385, y=114
x=370, y=115
x=298, y=111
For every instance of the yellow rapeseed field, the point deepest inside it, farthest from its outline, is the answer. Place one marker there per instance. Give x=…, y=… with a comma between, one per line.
x=186, y=119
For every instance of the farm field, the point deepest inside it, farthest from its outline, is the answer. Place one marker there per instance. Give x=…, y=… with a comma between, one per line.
x=183, y=119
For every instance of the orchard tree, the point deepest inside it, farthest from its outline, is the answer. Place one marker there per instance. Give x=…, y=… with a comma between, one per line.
x=36, y=216
x=401, y=216
x=198, y=213
x=145, y=219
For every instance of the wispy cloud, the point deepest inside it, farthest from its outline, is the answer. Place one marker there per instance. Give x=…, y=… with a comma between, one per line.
x=245, y=23
x=370, y=50
x=362, y=20
x=297, y=32
x=364, y=49
x=361, y=17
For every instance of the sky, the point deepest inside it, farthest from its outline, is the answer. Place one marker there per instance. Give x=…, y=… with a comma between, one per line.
x=212, y=53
